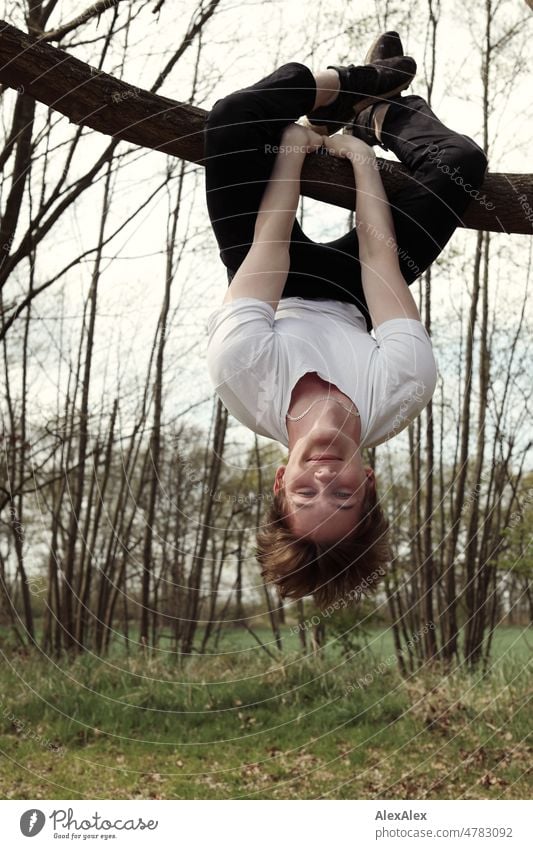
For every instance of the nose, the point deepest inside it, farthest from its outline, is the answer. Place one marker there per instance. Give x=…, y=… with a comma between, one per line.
x=325, y=473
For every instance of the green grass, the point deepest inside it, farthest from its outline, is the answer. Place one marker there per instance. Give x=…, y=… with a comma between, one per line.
x=241, y=725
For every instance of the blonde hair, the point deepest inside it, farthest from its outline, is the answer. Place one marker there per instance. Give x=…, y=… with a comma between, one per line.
x=300, y=567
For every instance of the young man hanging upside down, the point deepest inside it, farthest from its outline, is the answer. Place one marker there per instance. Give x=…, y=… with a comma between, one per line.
x=290, y=352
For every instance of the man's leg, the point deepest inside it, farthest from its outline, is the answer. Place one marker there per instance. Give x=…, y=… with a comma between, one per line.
x=446, y=170
x=241, y=136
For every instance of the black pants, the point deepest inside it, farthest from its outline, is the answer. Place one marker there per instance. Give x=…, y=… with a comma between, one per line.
x=240, y=136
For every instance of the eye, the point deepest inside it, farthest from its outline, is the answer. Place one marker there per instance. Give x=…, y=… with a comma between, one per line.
x=342, y=494
x=307, y=493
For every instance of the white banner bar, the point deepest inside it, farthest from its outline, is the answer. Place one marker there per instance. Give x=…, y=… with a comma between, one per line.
x=268, y=824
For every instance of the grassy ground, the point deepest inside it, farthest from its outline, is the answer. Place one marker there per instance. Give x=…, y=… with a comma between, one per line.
x=240, y=725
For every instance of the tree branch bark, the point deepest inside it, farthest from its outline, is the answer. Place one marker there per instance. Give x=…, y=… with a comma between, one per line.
x=91, y=98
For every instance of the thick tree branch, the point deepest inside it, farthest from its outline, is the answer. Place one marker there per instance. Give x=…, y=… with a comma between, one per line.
x=88, y=97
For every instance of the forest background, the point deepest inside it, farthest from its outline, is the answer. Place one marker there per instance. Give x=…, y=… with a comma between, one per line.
x=132, y=610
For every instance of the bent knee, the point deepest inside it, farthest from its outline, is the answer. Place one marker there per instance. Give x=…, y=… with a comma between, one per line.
x=472, y=161
x=228, y=111
x=228, y=125
x=218, y=112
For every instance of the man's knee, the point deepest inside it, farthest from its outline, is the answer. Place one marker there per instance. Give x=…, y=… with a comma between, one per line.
x=227, y=125
x=470, y=160
x=229, y=111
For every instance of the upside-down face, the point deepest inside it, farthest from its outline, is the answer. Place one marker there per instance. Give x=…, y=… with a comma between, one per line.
x=325, y=485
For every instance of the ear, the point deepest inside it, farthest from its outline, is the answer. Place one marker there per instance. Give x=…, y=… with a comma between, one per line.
x=278, y=480
x=370, y=477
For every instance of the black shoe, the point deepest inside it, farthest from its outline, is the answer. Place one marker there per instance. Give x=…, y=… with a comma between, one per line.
x=361, y=85
x=386, y=45
x=362, y=126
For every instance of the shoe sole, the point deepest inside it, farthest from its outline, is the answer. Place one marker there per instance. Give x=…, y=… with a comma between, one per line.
x=362, y=104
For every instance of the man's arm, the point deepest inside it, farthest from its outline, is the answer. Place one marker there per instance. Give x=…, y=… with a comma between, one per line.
x=263, y=272
x=387, y=294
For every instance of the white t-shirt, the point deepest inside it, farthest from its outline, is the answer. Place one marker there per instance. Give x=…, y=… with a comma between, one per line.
x=255, y=357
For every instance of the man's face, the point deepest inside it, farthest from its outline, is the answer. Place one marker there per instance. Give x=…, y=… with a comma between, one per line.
x=325, y=484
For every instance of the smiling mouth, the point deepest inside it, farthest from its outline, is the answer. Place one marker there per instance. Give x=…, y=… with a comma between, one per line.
x=320, y=458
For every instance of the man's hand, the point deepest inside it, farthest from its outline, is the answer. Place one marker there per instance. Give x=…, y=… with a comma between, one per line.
x=295, y=135
x=351, y=148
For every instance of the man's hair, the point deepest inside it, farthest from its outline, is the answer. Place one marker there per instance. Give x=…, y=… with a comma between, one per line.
x=328, y=571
